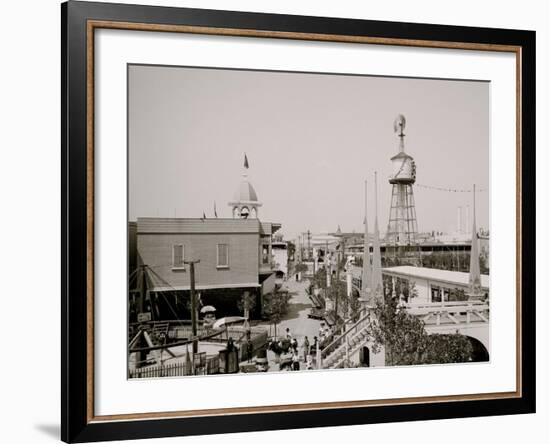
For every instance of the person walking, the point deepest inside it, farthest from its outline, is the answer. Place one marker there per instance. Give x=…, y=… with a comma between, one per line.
x=313, y=348
x=249, y=349
x=306, y=348
x=288, y=335
x=294, y=344
x=295, y=362
x=322, y=331
x=309, y=363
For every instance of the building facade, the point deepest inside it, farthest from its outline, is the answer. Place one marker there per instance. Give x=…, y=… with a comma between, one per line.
x=233, y=254
x=433, y=285
x=233, y=258
x=280, y=258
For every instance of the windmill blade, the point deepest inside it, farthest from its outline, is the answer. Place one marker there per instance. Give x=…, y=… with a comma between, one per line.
x=399, y=123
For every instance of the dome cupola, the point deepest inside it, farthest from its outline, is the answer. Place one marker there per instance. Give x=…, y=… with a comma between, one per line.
x=245, y=202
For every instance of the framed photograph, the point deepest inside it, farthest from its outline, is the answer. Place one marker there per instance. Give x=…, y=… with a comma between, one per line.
x=275, y=221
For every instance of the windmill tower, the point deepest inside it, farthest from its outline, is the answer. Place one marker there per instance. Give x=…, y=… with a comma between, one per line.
x=401, y=235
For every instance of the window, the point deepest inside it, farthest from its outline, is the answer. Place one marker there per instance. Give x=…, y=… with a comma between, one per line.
x=440, y=294
x=436, y=294
x=265, y=254
x=178, y=256
x=223, y=256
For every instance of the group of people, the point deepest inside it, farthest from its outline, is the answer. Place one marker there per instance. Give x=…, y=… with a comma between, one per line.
x=309, y=350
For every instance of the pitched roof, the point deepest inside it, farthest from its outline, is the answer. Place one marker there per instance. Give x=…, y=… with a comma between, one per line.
x=450, y=277
x=245, y=192
x=188, y=225
x=401, y=155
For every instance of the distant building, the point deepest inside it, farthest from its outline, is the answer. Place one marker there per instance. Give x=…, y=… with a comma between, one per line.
x=433, y=285
x=280, y=258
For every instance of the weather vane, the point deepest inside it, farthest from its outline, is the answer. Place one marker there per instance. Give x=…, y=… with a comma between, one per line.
x=399, y=125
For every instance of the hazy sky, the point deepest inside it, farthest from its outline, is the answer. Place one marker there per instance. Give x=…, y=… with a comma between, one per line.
x=311, y=141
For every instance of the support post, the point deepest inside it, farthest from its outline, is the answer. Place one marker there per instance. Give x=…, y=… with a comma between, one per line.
x=318, y=356
x=194, y=316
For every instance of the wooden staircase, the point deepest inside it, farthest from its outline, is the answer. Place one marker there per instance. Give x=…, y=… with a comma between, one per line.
x=335, y=354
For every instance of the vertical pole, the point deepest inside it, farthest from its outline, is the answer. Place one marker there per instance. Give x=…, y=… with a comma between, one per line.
x=246, y=307
x=141, y=356
x=315, y=257
x=318, y=356
x=143, y=289
x=327, y=264
x=337, y=286
x=193, y=303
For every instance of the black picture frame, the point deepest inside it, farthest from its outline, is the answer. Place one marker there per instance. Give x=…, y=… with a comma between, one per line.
x=77, y=425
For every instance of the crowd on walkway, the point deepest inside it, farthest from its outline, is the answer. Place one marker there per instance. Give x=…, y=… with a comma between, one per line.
x=292, y=353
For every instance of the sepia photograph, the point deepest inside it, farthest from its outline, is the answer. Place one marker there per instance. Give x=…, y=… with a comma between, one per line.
x=303, y=221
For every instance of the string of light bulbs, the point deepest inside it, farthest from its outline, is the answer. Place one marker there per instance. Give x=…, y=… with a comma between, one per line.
x=451, y=190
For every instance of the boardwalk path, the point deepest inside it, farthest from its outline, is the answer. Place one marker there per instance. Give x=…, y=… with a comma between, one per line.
x=296, y=319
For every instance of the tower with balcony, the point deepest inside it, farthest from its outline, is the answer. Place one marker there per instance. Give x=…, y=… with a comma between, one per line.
x=401, y=234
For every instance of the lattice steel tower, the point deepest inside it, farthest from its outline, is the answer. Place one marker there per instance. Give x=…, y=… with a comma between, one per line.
x=401, y=235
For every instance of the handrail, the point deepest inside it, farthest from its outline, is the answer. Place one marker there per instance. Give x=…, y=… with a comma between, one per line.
x=448, y=304
x=345, y=334
x=423, y=309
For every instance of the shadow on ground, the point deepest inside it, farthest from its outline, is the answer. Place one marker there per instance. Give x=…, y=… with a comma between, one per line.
x=51, y=430
x=294, y=310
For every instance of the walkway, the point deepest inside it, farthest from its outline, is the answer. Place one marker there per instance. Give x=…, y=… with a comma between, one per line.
x=296, y=320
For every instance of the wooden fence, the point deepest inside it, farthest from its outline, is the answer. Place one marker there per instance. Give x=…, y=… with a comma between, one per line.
x=177, y=369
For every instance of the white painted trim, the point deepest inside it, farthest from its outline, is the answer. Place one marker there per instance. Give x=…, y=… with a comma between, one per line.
x=182, y=267
x=222, y=266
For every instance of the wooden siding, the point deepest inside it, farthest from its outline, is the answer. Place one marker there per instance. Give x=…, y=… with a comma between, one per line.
x=156, y=252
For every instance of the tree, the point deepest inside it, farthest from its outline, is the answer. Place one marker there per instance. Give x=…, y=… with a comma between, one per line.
x=353, y=306
x=445, y=349
x=402, y=334
x=402, y=287
x=337, y=293
x=319, y=279
x=247, y=302
x=291, y=250
x=484, y=261
x=457, y=294
x=276, y=306
x=406, y=341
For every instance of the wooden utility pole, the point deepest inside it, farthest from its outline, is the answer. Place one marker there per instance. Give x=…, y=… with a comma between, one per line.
x=141, y=356
x=143, y=289
x=193, y=303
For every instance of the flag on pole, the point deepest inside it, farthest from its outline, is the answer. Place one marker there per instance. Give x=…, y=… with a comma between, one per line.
x=474, y=279
x=245, y=161
x=377, y=284
x=366, y=276
x=215, y=212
